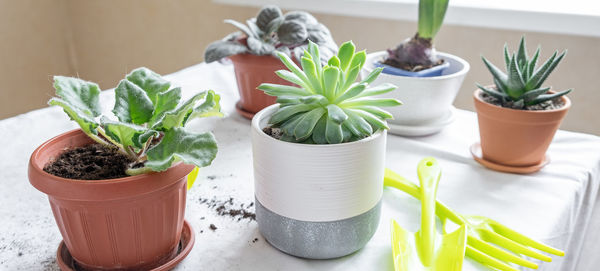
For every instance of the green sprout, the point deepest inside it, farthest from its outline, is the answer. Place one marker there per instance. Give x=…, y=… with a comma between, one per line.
x=329, y=107
x=521, y=85
x=150, y=128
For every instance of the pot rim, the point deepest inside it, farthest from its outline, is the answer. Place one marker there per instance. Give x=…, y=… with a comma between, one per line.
x=372, y=57
x=166, y=178
x=269, y=110
x=566, y=106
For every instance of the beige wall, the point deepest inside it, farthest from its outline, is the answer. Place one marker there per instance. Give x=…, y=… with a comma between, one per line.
x=101, y=40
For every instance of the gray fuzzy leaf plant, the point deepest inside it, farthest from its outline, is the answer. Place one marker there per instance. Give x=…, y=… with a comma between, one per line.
x=273, y=32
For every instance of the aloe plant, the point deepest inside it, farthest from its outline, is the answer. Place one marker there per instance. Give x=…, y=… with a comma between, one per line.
x=272, y=32
x=521, y=85
x=417, y=53
x=329, y=107
x=151, y=119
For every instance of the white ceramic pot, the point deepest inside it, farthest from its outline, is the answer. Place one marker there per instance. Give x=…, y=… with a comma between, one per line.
x=317, y=201
x=426, y=100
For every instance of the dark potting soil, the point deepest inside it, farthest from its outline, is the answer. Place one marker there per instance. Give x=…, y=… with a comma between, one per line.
x=91, y=162
x=556, y=103
x=273, y=132
x=230, y=208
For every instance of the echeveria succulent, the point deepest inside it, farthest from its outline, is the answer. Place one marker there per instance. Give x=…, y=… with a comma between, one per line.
x=272, y=32
x=329, y=106
x=417, y=53
x=151, y=119
x=521, y=85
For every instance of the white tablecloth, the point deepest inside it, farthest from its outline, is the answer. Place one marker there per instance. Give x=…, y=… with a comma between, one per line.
x=553, y=205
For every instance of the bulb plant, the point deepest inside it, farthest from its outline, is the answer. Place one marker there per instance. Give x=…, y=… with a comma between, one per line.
x=521, y=85
x=272, y=32
x=329, y=106
x=151, y=119
x=418, y=53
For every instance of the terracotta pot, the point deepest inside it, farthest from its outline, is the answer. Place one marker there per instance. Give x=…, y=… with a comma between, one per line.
x=515, y=137
x=250, y=72
x=126, y=223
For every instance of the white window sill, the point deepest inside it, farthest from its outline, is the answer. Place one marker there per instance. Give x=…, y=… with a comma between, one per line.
x=572, y=17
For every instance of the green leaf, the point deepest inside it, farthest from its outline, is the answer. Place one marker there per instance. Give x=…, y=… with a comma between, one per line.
x=333, y=132
x=291, y=77
x=546, y=97
x=313, y=49
x=522, y=54
x=358, y=124
x=334, y=61
x=242, y=27
x=132, y=104
x=352, y=92
x=496, y=94
x=431, y=16
x=350, y=78
x=308, y=66
x=549, y=70
x=178, y=116
x=377, y=90
x=180, y=145
x=289, y=125
x=496, y=73
x=536, y=77
x=532, y=63
x=318, y=135
x=209, y=108
x=165, y=101
x=286, y=112
x=85, y=121
x=307, y=123
x=372, y=76
x=336, y=114
x=380, y=113
x=345, y=54
x=372, y=119
x=382, y=102
x=280, y=90
x=152, y=83
x=80, y=95
x=515, y=86
x=330, y=82
x=358, y=60
x=127, y=134
x=532, y=94
x=506, y=56
x=287, y=61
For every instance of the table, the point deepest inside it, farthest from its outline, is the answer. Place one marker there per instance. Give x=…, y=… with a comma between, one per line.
x=553, y=205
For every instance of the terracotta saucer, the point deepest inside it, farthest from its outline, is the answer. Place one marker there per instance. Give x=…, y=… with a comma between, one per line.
x=246, y=114
x=66, y=262
x=424, y=129
x=478, y=156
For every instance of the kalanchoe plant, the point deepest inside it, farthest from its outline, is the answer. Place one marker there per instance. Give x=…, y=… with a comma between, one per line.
x=521, y=85
x=272, y=32
x=329, y=106
x=417, y=53
x=151, y=119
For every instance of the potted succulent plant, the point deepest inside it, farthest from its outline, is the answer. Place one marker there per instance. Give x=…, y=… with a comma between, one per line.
x=517, y=115
x=319, y=156
x=253, y=51
x=117, y=188
x=428, y=81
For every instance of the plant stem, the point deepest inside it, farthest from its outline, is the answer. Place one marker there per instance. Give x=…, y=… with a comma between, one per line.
x=98, y=139
x=103, y=133
x=138, y=171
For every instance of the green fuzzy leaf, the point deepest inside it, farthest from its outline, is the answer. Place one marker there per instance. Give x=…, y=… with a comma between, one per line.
x=86, y=122
x=547, y=97
x=209, y=108
x=178, y=116
x=307, y=123
x=286, y=112
x=279, y=90
x=127, y=134
x=345, y=54
x=242, y=27
x=336, y=114
x=179, y=145
x=152, y=83
x=80, y=95
x=333, y=132
x=132, y=104
x=318, y=135
x=377, y=90
x=330, y=81
x=165, y=101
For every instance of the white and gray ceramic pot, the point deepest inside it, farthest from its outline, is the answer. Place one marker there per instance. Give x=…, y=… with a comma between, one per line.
x=317, y=201
x=427, y=101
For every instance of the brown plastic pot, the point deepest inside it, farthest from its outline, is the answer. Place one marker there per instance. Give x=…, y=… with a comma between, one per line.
x=515, y=137
x=131, y=223
x=250, y=72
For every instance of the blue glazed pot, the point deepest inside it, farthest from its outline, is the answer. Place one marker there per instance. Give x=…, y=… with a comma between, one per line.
x=433, y=71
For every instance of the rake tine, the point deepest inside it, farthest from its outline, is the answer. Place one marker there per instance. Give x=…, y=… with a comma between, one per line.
x=499, y=253
x=516, y=236
x=511, y=245
x=484, y=259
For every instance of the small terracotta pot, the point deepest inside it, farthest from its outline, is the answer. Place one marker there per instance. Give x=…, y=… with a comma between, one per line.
x=515, y=137
x=250, y=72
x=117, y=224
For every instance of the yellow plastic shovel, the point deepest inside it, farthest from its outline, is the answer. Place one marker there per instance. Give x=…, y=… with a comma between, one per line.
x=426, y=249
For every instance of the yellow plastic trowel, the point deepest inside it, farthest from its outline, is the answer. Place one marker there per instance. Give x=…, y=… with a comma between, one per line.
x=426, y=249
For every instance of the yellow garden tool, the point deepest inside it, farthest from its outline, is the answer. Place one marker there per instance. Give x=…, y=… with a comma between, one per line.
x=488, y=241
x=191, y=178
x=425, y=249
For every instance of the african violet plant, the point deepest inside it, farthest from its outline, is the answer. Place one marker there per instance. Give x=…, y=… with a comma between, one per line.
x=329, y=107
x=272, y=32
x=151, y=119
x=521, y=86
x=417, y=53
